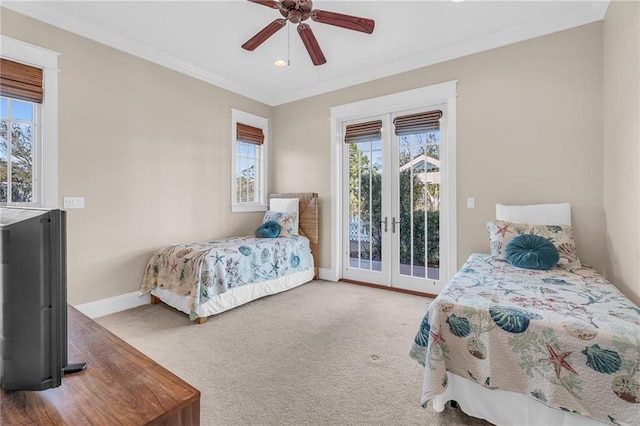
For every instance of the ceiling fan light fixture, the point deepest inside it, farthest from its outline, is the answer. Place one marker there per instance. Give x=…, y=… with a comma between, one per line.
x=281, y=63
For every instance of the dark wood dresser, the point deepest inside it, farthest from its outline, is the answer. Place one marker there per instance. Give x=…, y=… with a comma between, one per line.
x=120, y=386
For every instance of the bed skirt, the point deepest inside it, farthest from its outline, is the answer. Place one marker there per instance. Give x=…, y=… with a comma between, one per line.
x=237, y=296
x=515, y=408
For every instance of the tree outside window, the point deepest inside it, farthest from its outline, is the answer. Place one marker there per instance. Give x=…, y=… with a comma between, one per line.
x=17, y=147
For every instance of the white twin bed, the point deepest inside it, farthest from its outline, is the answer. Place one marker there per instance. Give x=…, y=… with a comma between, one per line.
x=210, y=277
x=532, y=347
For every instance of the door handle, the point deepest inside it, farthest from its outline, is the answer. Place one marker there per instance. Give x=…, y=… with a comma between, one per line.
x=393, y=224
x=385, y=223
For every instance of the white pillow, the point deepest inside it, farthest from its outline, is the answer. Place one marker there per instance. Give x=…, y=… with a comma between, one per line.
x=287, y=205
x=536, y=214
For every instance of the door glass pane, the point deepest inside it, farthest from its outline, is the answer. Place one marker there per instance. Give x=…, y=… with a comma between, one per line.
x=432, y=175
x=21, y=163
x=365, y=205
x=419, y=200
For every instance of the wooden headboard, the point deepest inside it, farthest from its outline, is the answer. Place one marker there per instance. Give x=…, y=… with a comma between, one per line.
x=308, y=220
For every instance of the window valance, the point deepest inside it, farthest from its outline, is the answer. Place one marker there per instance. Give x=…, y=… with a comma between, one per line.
x=362, y=132
x=417, y=123
x=249, y=134
x=20, y=81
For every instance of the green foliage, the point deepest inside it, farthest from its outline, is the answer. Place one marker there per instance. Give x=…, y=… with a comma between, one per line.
x=418, y=242
x=365, y=201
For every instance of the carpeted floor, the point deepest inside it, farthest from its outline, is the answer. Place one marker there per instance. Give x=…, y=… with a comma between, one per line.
x=320, y=354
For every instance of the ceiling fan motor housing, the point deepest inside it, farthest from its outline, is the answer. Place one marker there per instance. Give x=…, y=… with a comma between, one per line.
x=295, y=11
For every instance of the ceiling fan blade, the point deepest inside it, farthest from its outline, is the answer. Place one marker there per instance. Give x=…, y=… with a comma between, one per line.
x=269, y=3
x=345, y=21
x=264, y=34
x=310, y=42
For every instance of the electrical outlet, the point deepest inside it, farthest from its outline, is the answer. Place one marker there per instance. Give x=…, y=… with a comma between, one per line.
x=471, y=203
x=73, y=202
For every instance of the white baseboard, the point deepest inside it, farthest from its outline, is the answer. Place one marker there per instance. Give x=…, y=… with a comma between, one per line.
x=111, y=305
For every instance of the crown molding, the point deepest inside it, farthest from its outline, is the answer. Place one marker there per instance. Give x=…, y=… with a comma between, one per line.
x=45, y=13
x=589, y=12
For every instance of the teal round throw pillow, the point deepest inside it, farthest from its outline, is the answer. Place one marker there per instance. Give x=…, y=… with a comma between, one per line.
x=531, y=252
x=269, y=229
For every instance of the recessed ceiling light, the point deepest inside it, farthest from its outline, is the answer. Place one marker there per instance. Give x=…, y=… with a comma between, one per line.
x=457, y=1
x=281, y=63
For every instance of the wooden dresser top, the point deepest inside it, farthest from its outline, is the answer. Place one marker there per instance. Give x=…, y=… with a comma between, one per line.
x=121, y=385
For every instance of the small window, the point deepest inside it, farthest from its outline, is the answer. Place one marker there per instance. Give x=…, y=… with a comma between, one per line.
x=249, y=138
x=28, y=124
x=19, y=143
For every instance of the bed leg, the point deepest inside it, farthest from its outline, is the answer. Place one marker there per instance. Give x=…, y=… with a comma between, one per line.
x=155, y=300
x=201, y=320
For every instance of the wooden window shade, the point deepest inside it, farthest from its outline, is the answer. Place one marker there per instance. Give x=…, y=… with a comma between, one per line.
x=363, y=132
x=20, y=81
x=249, y=134
x=417, y=123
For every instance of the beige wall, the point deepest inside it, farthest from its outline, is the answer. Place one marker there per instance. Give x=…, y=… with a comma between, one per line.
x=529, y=126
x=622, y=145
x=147, y=147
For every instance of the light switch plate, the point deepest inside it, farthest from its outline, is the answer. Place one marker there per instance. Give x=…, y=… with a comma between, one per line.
x=471, y=203
x=73, y=203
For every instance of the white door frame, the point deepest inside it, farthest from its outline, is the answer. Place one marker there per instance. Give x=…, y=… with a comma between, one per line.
x=444, y=93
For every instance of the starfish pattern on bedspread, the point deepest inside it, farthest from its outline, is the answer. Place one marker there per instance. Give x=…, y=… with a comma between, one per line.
x=558, y=360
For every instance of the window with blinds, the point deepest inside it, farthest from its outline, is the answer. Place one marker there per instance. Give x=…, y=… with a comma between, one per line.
x=28, y=124
x=21, y=96
x=249, y=153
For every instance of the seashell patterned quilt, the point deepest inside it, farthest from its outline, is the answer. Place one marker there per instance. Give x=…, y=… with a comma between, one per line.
x=206, y=269
x=571, y=340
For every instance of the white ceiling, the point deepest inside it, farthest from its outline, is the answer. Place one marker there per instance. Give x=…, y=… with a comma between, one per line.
x=203, y=38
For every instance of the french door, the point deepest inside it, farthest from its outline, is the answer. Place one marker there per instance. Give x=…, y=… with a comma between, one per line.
x=393, y=211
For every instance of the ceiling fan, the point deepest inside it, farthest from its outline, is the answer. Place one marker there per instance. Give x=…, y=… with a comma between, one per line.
x=296, y=11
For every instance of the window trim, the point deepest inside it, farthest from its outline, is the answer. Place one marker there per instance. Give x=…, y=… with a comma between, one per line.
x=47, y=184
x=262, y=123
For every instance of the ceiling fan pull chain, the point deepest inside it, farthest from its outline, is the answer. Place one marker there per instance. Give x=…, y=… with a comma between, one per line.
x=288, y=43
